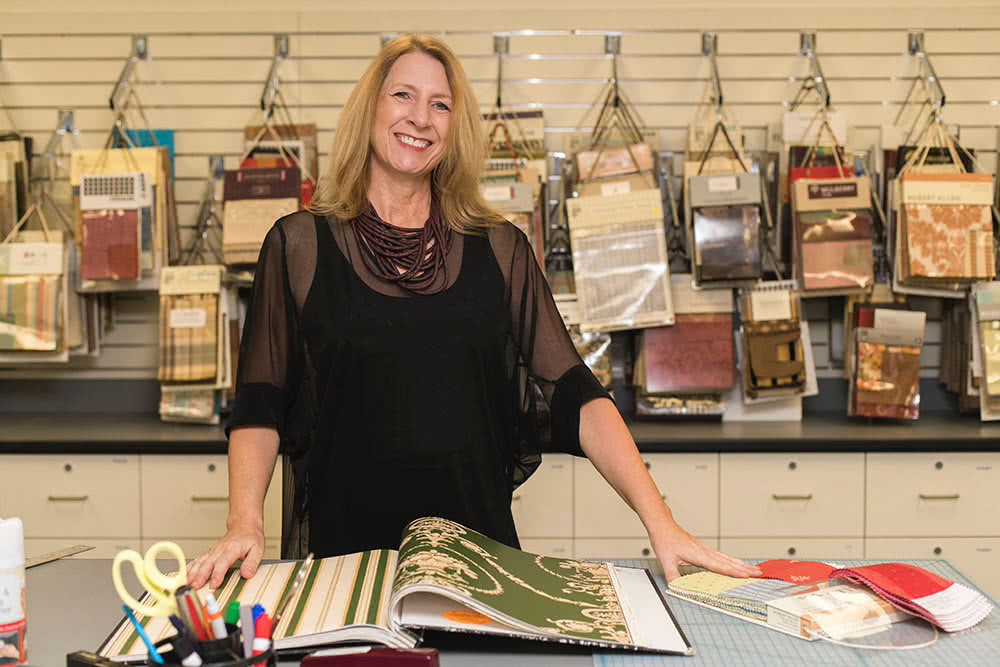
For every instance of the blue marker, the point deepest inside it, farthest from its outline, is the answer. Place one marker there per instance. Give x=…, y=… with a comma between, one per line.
x=154, y=655
x=258, y=609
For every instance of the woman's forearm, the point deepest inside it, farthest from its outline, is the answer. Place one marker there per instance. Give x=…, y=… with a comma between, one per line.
x=253, y=451
x=608, y=444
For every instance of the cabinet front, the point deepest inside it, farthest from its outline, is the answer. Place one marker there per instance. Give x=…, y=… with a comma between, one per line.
x=801, y=495
x=916, y=495
x=689, y=484
x=187, y=496
x=975, y=557
x=796, y=548
x=78, y=496
x=543, y=505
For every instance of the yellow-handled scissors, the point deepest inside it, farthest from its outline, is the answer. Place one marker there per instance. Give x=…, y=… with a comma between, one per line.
x=160, y=586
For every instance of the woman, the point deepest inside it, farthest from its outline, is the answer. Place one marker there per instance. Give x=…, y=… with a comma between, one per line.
x=405, y=302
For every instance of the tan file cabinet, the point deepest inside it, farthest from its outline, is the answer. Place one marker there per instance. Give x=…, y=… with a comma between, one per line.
x=792, y=495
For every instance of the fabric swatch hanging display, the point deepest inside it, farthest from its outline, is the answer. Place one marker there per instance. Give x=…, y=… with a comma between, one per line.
x=254, y=200
x=773, y=354
x=116, y=192
x=620, y=261
x=943, y=231
x=684, y=369
x=724, y=232
x=274, y=146
x=8, y=193
x=885, y=362
x=13, y=151
x=513, y=180
x=33, y=295
x=195, y=342
x=832, y=232
x=985, y=338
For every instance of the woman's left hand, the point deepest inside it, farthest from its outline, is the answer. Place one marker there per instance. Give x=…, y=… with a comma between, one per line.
x=674, y=546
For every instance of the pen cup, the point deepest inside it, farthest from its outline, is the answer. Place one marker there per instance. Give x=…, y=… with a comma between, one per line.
x=225, y=652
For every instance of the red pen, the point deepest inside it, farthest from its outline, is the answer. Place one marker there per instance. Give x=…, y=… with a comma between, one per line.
x=262, y=634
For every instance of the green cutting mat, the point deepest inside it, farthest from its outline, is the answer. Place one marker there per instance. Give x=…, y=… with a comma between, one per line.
x=719, y=639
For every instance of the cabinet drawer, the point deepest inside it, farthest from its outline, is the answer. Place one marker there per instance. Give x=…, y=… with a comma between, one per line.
x=621, y=548
x=689, y=484
x=806, y=547
x=78, y=496
x=975, y=557
x=102, y=548
x=194, y=548
x=805, y=495
x=955, y=494
x=543, y=505
x=557, y=548
x=188, y=497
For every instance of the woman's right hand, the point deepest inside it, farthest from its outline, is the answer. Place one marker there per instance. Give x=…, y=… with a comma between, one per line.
x=242, y=540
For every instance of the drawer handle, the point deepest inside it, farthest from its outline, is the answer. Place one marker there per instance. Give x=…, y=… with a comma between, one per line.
x=67, y=499
x=778, y=496
x=940, y=496
x=210, y=499
x=515, y=498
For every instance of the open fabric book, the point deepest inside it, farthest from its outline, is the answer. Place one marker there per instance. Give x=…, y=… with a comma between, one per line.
x=446, y=577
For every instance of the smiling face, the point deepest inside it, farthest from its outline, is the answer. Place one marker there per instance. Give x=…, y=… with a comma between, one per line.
x=412, y=114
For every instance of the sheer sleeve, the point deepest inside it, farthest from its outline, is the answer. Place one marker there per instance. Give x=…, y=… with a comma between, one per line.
x=267, y=350
x=542, y=340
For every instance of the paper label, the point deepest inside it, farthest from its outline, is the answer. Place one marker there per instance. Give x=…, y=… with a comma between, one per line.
x=770, y=305
x=832, y=190
x=969, y=189
x=188, y=318
x=617, y=188
x=20, y=259
x=903, y=320
x=723, y=184
x=191, y=279
x=498, y=193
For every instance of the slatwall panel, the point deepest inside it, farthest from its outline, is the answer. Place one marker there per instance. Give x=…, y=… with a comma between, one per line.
x=206, y=72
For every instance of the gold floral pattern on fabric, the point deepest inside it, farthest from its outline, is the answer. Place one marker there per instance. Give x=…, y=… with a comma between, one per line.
x=556, y=595
x=949, y=241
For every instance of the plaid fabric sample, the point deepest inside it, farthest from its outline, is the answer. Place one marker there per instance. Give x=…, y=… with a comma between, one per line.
x=30, y=311
x=189, y=337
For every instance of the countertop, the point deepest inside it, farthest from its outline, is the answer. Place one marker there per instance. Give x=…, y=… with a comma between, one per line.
x=146, y=434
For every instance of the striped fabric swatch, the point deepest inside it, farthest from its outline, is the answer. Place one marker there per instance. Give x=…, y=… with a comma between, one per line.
x=30, y=312
x=337, y=592
x=189, y=337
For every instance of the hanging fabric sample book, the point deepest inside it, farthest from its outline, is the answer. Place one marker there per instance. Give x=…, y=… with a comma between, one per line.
x=774, y=359
x=833, y=236
x=885, y=359
x=725, y=229
x=254, y=200
x=683, y=369
x=620, y=261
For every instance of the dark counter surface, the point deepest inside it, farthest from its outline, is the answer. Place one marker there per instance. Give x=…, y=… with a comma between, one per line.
x=146, y=434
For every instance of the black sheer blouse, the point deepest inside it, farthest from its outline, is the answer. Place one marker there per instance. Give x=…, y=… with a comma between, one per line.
x=416, y=407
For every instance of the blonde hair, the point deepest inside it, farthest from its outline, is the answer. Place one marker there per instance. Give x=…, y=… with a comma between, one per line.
x=343, y=191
